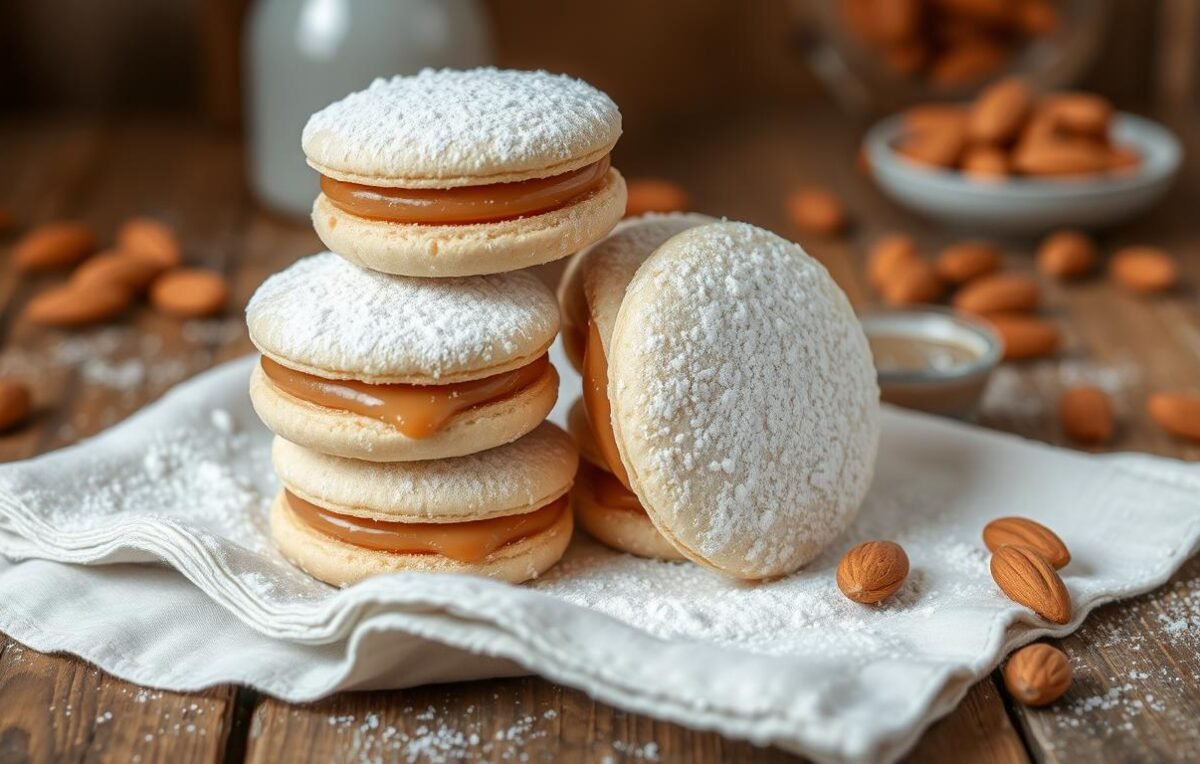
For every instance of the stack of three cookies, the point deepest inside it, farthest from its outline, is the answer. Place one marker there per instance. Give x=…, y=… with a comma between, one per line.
x=405, y=373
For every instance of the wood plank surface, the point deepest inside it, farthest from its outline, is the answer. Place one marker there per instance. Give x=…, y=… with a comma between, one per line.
x=1143, y=651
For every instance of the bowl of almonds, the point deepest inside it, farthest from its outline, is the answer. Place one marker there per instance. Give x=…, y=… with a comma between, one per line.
x=1013, y=161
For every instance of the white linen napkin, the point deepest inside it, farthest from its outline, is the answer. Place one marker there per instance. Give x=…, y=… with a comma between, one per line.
x=793, y=663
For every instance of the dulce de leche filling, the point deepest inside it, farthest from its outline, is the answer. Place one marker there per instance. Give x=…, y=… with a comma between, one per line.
x=417, y=411
x=596, y=404
x=468, y=542
x=609, y=492
x=469, y=204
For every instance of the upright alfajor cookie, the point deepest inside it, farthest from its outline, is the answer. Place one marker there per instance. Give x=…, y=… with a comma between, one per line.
x=377, y=367
x=500, y=514
x=741, y=396
x=454, y=173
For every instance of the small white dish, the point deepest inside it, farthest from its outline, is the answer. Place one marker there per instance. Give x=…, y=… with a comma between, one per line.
x=1026, y=205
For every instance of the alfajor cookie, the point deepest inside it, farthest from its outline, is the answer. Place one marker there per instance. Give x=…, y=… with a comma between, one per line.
x=453, y=173
x=501, y=513
x=377, y=367
x=730, y=389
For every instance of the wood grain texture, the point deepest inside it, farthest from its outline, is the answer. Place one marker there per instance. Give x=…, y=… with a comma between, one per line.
x=742, y=168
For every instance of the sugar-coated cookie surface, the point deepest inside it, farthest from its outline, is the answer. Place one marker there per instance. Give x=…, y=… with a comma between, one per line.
x=329, y=317
x=446, y=128
x=519, y=477
x=744, y=399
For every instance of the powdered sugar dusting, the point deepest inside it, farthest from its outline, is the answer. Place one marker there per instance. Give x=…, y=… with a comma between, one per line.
x=745, y=398
x=326, y=313
x=449, y=124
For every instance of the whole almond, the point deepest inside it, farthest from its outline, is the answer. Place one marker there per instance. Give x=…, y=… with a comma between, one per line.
x=53, y=246
x=654, y=195
x=1060, y=157
x=1037, y=675
x=1177, y=413
x=115, y=267
x=1083, y=114
x=151, y=239
x=914, y=283
x=816, y=210
x=967, y=261
x=985, y=163
x=16, y=403
x=189, y=293
x=1025, y=338
x=940, y=146
x=1066, y=255
x=999, y=293
x=1143, y=270
x=1087, y=416
x=872, y=571
x=887, y=255
x=1028, y=579
x=999, y=111
x=1021, y=531
x=68, y=306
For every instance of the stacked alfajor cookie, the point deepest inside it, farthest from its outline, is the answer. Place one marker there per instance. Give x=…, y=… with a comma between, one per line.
x=405, y=373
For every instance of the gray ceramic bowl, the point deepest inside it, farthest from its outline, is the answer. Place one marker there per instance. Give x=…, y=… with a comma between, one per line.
x=1024, y=205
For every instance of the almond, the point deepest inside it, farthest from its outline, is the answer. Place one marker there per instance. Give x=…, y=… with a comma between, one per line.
x=1077, y=113
x=1177, y=413
x=999, y=111
x=985, y=163
x=940, y=146
x=872, y=571
x=1066, y=254
x=1028, y=579
x=1123, y=159
x=1087, y=416
x=68, y=306
x=887, y=255
x=967, y=62
x=655, y=195
x=1059, y=157
x=151, y=239
x=16, y=403
x=1025, y=338
x=1021, y=531
x=913, y=283
x=115, y=267
x=967, y=261
x=189, y=293
x=934, y=116
x=1143, y=270
x=999, y=293
x=53, y=246
x=816, y=210
x=1037, y=675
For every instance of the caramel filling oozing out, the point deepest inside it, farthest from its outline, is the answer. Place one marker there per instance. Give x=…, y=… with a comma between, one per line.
x=417, y=411
x=609, y=492
x=468, y=204
x=469, y=541
x=595, y=402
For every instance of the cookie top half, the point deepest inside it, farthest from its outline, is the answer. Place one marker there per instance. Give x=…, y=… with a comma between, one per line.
x=744, y=399
x=449, y=128
x=328, y=317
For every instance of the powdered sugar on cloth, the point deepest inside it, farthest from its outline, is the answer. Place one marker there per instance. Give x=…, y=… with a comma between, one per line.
x=792, y=662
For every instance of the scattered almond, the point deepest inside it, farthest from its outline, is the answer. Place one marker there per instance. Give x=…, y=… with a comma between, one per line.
x=816, y=210
x=967, y=261
x=999, y=293
x=115, y=267
x=1037, y=675
x=1025, y=338
x=1028, y=579
x=913, y=283
x=887, y=256
x=1066, y=255
x=655, y=195
x=1021, y=531
x=1143, y=270
x=1177, y=413
x=999, y=111
x=872, y=571
x=189, y=293
x=53, y=246
x=1087, y=415
x=16, y=403
x=150, y=239
x=69, y=306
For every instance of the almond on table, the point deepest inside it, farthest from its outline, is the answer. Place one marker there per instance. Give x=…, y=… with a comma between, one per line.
x=968, y=260
x=53, y=246
x=1025, y=338
x=1067, y=254
x=150, y=239
x=1176, y=412
x=887, y=255
x=913, y=283
x=1038, y=674
x=16, y=403
x=999, y=293
x=71, y=306
x=1144, y=270
x=189, y=293
x=817, y=210
x=130, y=271
x=1087, y=415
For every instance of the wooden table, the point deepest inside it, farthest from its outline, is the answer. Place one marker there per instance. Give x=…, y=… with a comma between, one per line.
x=1137, y=690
